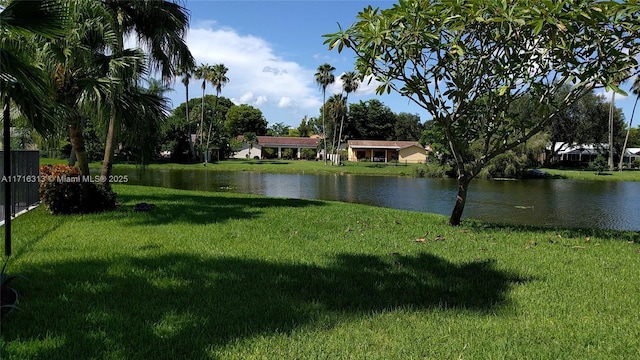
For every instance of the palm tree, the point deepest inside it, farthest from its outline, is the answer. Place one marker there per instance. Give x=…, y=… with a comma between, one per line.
x=147, y=110
x=186, y=77
x=350, y=84
x=21, y=83
x=635, y=89
x=618, y=78
x=324, y=76
x=218, y=80
x=78, y=67
x=335, y=110
x=161, y=26
x=203, y=72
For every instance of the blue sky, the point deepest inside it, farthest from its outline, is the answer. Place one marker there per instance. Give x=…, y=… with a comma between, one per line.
x=272, y=50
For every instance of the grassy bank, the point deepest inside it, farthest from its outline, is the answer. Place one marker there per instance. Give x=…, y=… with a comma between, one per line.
x=280, y=166
x=627, y=175
x=362, y=168
x=232, y=276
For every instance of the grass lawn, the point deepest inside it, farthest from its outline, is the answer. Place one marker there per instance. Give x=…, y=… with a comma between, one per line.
x=627, y=175
x=354, y=168
x=278, y=166
x=233, y=276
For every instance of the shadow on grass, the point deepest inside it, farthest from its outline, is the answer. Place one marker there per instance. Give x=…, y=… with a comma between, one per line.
x=204, y=208
x=177, y=306
x=570, y=233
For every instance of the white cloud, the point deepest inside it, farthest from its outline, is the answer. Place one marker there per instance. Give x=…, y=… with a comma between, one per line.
x=256, y=73
x=287, y=102
x=250, y=98
x=365, y=88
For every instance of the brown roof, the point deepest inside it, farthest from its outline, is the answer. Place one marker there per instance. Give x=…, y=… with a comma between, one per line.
x=269, y=141
x=382, y=144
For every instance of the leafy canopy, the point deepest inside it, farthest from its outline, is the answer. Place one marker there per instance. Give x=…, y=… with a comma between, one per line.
x=466, y=61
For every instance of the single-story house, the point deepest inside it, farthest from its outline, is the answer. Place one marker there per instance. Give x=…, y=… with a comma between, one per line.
x=582, y=152
x=278, y=143
x=631, y=155
x=386, y=151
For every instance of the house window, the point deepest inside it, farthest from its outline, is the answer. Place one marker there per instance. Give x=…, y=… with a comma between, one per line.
x=360, y=154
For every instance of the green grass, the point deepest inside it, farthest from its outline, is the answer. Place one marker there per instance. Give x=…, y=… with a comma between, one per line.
x=232, y=276
x=354, y=168
x=627, y=175
x=279, y=166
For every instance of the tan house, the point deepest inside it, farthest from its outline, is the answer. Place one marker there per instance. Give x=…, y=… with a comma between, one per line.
x=386, y=151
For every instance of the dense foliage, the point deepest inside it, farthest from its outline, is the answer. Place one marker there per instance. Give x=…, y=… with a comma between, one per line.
x=467, y=62
x=63, y=190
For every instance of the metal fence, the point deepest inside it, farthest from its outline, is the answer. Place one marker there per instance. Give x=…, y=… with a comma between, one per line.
x=24, y=179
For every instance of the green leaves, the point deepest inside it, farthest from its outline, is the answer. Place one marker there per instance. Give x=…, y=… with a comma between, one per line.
x=466, y=62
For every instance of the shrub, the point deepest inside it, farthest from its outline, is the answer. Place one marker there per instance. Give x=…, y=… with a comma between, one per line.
x=600, y=165
x=63, y=191
x=429, y=170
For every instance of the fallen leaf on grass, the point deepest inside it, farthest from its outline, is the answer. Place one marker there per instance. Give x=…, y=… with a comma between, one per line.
x=439, y=238
x=420, y=240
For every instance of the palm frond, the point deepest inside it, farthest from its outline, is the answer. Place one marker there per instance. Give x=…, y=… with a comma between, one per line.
x=47, y=18
x=161, y=27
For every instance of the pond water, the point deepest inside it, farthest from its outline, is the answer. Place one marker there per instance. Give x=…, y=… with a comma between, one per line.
x=548, y=202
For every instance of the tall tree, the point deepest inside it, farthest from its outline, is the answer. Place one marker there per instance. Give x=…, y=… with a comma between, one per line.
x=635, y=89
x=218, y=80
x=371, y=120
x=334, y=110
x=350, y=84
x=161, y=27
x=618, y=78
x=304, y=129
x=21, y=83
x=465, y=63
x=186, y=74
x=324, y=77
x=408, y=127
x=245, y=119
x=203, y=72
x=80, y=72
x=144, y=119
x=278, y=129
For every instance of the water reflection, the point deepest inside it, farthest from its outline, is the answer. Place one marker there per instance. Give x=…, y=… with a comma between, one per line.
x=566, y=203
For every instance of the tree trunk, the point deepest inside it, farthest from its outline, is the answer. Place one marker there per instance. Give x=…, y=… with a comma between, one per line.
x=109, y=150
x=200, y=132
x=77, y=143
x=114, y=118
x=186, y=104
x=324, y=128
x=346, y=105
x=626, y=138
x=461, y=199
x=611, y=108
x=215, y=104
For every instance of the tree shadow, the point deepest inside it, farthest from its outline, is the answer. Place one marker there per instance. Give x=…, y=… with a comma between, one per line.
x=579, y=233
x=178, y=306
x=207, y=209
